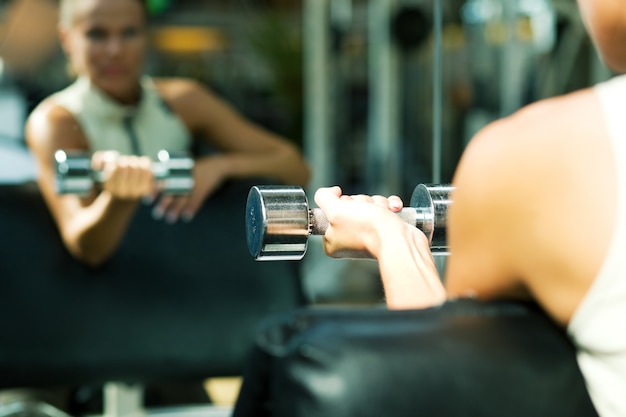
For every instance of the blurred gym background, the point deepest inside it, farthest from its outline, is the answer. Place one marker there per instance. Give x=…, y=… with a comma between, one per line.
x=380, y=94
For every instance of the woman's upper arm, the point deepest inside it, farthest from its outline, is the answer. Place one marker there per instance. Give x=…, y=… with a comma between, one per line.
x=215, y=120
x=481, y=223
x=49, y=128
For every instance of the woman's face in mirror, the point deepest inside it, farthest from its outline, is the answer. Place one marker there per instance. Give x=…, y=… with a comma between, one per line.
x=106, y=41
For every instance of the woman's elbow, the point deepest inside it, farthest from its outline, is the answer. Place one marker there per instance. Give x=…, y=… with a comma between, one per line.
x=92, y=256
x=90, y=259
x=93, y=261
x=304, y=175
x=300, y=170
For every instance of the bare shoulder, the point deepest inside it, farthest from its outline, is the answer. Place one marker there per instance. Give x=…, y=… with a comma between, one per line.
x=196, y=104
x=521, y=184
x=179, y=91
x=51, y=126
x=190, y=100
x=175, y=85
x=524, y=147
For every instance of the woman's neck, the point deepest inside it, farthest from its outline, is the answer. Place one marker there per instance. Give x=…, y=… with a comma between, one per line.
x=130, y=96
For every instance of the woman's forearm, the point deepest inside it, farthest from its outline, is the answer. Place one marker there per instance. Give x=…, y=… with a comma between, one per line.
x=96, y=231
x=408, y=271
x=284, y=164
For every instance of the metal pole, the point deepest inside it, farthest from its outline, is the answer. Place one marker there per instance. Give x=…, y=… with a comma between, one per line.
x=383, y=165
x=512, y=62
x=437, y=88
x=318, y=140
x=320, y=274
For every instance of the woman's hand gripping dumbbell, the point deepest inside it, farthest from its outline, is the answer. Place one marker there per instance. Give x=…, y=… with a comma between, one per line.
x=173, y=172
x=279, y=220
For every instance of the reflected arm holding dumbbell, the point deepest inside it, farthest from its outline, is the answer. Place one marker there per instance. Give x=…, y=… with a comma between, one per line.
x=92, y=224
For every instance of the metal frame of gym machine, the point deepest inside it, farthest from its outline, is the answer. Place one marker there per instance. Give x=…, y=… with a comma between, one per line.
x=383, y=159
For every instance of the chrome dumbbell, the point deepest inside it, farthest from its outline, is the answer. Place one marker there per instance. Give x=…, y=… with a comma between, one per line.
x=173, y=173
x=279, y=221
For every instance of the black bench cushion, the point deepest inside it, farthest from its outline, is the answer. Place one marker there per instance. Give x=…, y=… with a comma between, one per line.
x=465, y=358
x=175, y=302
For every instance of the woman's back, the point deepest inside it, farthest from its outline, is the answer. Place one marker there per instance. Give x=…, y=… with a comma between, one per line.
x=535, y=206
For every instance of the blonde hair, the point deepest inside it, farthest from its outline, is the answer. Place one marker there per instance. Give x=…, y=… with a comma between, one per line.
x=66, y=13
x=68, y=8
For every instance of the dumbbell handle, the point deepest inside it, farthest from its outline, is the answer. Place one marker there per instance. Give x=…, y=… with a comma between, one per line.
x=159, y=171
x=414, y=216
x=74, y=175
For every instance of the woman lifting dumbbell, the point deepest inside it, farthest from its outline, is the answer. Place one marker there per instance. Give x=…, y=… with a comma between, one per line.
x=126, y=118
x=538, y=212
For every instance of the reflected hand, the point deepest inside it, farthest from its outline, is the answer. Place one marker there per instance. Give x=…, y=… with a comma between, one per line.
x=209, y=173
x=126, y=177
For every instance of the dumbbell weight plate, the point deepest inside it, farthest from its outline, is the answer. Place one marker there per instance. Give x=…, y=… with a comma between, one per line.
x=434, y=200
x=277, y=223
x=174, y=172
x=73, y=173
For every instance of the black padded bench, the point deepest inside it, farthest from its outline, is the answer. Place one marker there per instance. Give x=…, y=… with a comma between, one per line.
x=176, y=302
x=463, y=359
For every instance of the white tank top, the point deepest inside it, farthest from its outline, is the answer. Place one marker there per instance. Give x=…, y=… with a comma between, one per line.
x=598, y=327
x=143, y=129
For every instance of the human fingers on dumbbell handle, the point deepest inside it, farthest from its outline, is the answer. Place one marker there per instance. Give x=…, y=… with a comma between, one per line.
x=331, y=200
x=101, y=158
x=393, y=203
x=128, y=177
x=349, y=223
x=327, y=198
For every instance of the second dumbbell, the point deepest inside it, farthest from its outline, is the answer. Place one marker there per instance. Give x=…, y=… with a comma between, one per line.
x=173, y=173
x=279, y=221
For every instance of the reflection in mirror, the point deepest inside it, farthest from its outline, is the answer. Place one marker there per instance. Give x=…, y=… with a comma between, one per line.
x=247, y=52
x=497, y=56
